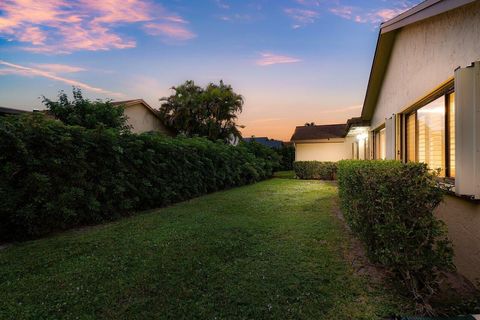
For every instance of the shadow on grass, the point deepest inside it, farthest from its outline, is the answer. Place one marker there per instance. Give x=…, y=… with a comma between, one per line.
x=284, y=175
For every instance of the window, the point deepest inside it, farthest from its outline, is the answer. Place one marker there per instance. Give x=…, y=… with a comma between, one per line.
x=380, y=144
x=430, y=135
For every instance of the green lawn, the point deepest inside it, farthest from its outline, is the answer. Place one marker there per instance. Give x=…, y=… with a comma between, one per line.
x=270, y=250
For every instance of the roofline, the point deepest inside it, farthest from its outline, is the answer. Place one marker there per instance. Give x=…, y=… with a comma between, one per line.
x=422, y=11
x=128, y=103
x=386, y=39
x=323, y=125
x=13, y=110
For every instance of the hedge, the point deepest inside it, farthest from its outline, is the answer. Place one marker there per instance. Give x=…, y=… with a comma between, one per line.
x=390, y=205
x=54, y=176
x=315, y=170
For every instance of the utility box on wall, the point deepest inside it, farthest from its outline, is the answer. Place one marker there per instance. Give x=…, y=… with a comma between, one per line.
x=467, y=131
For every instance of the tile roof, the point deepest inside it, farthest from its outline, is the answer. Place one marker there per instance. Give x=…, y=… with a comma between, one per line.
x=319, y=132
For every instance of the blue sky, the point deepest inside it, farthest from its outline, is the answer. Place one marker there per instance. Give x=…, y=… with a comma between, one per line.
x=293, y=60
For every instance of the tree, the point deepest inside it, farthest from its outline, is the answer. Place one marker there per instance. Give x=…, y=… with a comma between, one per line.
x=210, y=112
x=86, y=113
x=309, y=124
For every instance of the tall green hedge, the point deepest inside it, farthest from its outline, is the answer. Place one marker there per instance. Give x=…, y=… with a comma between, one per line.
x=315, y=170
x=390, y=205
x=54, y=176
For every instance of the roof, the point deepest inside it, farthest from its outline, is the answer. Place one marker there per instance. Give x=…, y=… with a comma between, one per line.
x=266, y=142
x=129, y=103
x=328, y=131
x=386, y=39
x=4, y=110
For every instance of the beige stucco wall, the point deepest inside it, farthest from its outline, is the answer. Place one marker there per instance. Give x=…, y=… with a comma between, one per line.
x=425, y=55
x=463, y=221
x=142, y=119
x=324, y=150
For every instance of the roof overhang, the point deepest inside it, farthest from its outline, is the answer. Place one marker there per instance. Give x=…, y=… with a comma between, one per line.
x=386, y=39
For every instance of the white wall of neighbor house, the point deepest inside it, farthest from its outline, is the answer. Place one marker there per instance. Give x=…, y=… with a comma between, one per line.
x=425, y=55
x=324, y=150
x=143, y=120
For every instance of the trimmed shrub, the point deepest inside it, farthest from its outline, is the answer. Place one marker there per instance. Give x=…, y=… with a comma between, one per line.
x=315, y=170
x=287, y=154
x=390, y=205
x=54, y=176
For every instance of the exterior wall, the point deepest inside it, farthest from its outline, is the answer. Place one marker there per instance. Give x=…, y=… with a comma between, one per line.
x=425, y=55
x=142, y=120
x=323, y=150
x=463, y=220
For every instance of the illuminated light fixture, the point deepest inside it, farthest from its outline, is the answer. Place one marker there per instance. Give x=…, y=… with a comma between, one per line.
x=362, y=137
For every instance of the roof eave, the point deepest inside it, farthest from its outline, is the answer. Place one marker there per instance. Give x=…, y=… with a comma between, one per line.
x=386, y=39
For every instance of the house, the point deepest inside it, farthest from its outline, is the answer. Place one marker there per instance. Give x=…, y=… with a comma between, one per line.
x=10, y=111
x=142, y=117
x=322, y=143
x=423, y=104
x=271, y=143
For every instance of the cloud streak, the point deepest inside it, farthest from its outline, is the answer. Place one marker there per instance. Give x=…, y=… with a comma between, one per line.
x=62, y=26
x=268, y=59
x=301, y=17
x=376, y=16
x=17, y=69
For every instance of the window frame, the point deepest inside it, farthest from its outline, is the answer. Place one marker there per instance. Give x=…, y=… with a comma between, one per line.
x=445, y=92
x=376, y=132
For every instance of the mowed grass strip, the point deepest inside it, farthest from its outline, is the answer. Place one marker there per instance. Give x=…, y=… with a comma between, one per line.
x=272, y=250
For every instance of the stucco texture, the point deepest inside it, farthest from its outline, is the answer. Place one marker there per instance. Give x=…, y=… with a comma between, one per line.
x=463, y=220
x=143, y=120
x=332, y=150
x=425, y=55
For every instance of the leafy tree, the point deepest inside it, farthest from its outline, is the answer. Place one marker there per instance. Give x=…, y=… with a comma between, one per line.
x=209, y=112
x=287, y=154
x=86, y=113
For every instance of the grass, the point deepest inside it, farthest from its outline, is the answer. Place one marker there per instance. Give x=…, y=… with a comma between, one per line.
x=266, y=251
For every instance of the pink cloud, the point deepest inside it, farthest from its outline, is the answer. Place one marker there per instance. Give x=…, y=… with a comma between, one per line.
x=345, y=12
x=62, y=26
x=374, y=16
x=302, y=16
x=172, y=31
x=268, y=59
x=58, y=68
x=16, y=69
x=308, y=3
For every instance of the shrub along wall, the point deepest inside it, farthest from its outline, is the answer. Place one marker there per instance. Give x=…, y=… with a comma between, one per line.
x=315, y=170
x=390, y=205
x=54, y=176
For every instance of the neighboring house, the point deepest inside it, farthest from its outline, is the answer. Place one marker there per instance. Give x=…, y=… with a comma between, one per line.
x=142, y=117
x=423, y=104
x=322, y=143
x=271, y=143
x=8, y=111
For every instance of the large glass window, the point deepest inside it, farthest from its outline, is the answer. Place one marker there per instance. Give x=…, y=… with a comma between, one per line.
x=430, y=135
x=451, y=135
x=380, y=144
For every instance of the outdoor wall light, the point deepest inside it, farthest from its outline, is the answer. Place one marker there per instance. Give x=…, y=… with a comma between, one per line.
x=362, y=136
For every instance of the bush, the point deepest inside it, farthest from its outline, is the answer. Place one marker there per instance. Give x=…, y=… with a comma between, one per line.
x=315, y=170
x=54, y=176
x=287, y=157
x=269, y=155
x=86, y=113
x=390, y=205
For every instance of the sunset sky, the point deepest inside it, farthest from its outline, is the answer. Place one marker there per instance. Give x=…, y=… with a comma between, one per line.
x=293, y=60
